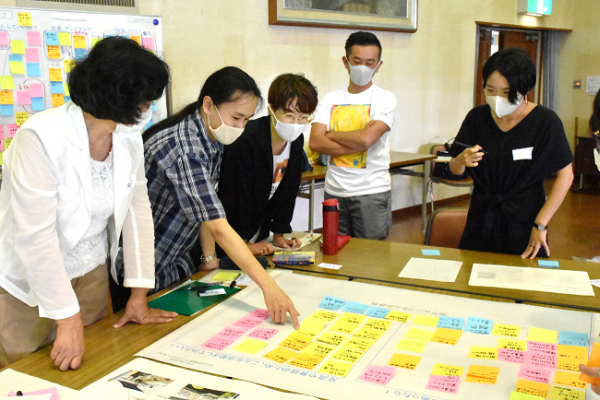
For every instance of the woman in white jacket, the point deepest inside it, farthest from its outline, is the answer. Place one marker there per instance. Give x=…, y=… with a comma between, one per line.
x=73, y=182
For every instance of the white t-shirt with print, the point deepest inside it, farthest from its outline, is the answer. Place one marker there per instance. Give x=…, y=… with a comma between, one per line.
x=366, y=172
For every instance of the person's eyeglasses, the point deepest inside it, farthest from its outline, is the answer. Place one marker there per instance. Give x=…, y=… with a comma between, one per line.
x=290, y=118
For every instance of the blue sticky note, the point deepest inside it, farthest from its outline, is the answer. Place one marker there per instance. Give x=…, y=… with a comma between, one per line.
x=451, y=323
x=377, y=312
x=548, y=263
x=332, y=303
x=154, y=106
x=51, y=38
x=79, y=54
x=573, y=338
x=34, y=70
x=15, y=57
x=356, y=308
x=428, y=252
x=67, y=99
x=7, y=110
x=37, y=104
x=57, y=87
x=479, y=325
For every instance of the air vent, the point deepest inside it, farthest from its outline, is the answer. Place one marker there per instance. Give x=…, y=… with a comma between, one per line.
x=116, y=6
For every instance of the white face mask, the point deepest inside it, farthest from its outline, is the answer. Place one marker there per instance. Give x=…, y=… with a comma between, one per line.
x=225, y=134
x=288, y=132
x=145, y=118
x=502, y=106
x=361, y=75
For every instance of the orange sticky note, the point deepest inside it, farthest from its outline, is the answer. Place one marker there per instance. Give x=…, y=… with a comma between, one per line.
x=79, y=42
x=404, y=361
x=569, y=357
x=568, y=379
x=280, y=355
x=7, y=97
x=296, y=341
x=55, y=74
x=58, y=99
x=53, y=52
x=533, y=388
x=593, y=361
x=306, y=361
x=446, y=336
x=136, y=38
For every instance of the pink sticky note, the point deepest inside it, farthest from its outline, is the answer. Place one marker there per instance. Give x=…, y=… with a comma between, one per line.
x=32, y=54
x=53, y=391
x=12, y=130
x=4, y=39
x=217, y=343
x=1, y=132
x=231, y=332
x=510, y=355
x=541, y=354
x=34, y=38
x=248, y=322
x=446, y=384
x=263, y=333
x=260, y=313
x=36, y=90
x=148, y=42
x=378, y=374
x=23, y=98
x=534, y=374
x=1, y=145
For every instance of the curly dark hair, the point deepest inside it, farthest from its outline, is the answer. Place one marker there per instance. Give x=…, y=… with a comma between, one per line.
x=115, y=78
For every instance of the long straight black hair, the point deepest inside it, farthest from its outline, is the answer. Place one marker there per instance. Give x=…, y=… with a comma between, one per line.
x=225, y=85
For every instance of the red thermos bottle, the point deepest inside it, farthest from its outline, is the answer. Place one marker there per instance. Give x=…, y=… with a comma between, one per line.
x=330, y=226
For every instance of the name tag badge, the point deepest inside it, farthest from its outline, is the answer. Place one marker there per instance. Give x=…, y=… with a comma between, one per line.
x=522, y=154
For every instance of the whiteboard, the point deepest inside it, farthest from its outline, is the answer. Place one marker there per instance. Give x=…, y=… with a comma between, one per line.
x=38, y=48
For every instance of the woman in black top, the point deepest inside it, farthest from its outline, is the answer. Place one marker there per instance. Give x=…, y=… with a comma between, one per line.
x=516, y=145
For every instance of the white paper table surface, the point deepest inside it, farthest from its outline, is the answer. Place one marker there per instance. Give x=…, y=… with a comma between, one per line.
x=432, y=270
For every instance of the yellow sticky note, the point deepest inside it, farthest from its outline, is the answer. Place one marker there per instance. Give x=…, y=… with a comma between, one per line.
x=53, y=52
x=542, y=335
x=17, y=46
x=446, y=336
x=404, y=361
x=353, y=318
x=512, y=344
x=58, y=99
x=7, y=97
x=506, y=330
x=136, y=38
x=347, y=355
x=68, y=65
x=318, y=349
x=7, y=82
x=347, y=323
x=568, y=379
x=312, y=326
x=79, y=42
x=426, y=320
x=64, y=38
x=7, y=143
x=419, y=334
x=359, y=344
x=24, y=19
x=379, y=324
x=21, y=117
x=483, y=374
x=483, y=353
x=336, y=368
x=280, y=355
x=416, y=346
x=522, y=396
x=569, y=357
x=561, y=393
x=306, y=361
x=398, y=316
x=296, y=341
x=16, y=67
x=251, y=346
x=326, y=315
x=533, y=388
x=332, y=338
x=55, y=74
x=95, y=40
x=1, y=157
x=67, y=90
x=225, y=276
x=447, y=370
x=368, y=333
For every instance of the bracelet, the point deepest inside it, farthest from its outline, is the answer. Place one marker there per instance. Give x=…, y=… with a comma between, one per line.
x=208, y=258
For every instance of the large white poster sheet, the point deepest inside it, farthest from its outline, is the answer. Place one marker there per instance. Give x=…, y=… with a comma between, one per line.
x=360, y=341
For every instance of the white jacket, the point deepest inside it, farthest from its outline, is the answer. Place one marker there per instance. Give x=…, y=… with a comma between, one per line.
x=45, y=208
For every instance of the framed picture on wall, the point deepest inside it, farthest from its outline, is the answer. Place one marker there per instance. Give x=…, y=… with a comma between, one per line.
x=379, y=15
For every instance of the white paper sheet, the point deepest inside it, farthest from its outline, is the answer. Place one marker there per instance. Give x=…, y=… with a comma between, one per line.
x=432, y=270
x=152, y=385
x=537, y=279
x=305, y=240
x=11, y=381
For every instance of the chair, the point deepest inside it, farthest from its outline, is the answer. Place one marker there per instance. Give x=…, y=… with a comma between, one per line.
x=445, y=227
x=465, y=182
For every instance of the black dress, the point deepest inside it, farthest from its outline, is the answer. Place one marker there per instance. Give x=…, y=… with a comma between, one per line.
x=509, y=181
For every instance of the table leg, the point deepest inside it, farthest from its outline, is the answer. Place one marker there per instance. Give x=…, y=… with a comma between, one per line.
x=311, y=204
x=426, y=171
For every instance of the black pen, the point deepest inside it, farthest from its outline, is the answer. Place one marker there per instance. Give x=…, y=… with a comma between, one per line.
x=469, y=146
x=19, y=393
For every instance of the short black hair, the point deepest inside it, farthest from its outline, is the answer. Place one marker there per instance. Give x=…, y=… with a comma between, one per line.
x=516, y=66
x=289, y=87
x=362, y=38
x=115, y=78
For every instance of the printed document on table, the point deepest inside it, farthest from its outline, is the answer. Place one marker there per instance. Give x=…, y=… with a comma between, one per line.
x=432, y=270
x=11, y=381
x=537, y=279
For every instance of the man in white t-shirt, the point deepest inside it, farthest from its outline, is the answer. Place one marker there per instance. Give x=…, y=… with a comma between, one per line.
x=351, y=126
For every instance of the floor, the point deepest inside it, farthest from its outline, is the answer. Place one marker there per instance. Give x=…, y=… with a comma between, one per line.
x=574, y=231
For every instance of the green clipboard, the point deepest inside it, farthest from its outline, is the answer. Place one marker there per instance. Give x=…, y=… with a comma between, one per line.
x=187, y=302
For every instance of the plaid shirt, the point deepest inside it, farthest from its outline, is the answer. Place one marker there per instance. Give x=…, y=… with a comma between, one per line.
x=182, y=168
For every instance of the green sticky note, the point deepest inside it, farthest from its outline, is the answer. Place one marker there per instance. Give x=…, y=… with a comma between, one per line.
x=187, y=302
x=17, y=46
x=7, y=82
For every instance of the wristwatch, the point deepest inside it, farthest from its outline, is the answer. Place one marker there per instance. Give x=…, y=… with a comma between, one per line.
x=208, y=258
x=539, y=226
